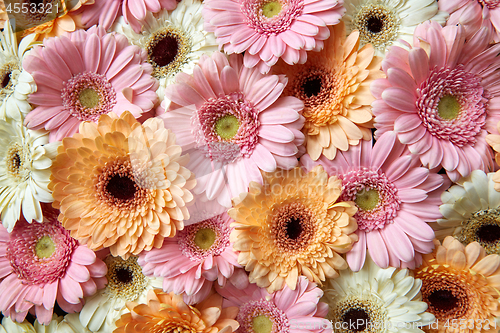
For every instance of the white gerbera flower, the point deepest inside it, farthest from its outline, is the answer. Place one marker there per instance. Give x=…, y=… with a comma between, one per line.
x=67, y=324
x=15, y=83
x=25, y=161
x=471, y=212
x=376, y=299
x=382, y=22
x=173, y=40
x=125, y=283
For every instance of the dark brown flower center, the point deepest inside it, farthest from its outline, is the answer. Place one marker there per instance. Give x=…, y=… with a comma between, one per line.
x=356, y=319
x=124, y=275
x=122, y=188
x=293, y=226
x=375, y=24
x=164, y=49
x=483, y=227
x=445, y=294
x=443, y=300
x=312, y=86
x=125, y=278
x=6, y=79
x=488, y=233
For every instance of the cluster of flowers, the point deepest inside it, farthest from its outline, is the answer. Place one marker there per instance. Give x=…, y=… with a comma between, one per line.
x=250, y=166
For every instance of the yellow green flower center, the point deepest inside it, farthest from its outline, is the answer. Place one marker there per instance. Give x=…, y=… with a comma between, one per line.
x=89, y=98
x=262, y=324
x=367, y=200
x=45, y=247
x=205, y=238
x=448, y=107
x=227, y=127
x=271, y=9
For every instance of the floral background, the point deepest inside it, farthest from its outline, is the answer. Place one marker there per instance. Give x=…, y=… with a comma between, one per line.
x=260, y=166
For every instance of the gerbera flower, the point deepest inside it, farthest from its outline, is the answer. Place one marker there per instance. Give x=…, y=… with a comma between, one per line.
x=105, y=12
x=39, y=264
x=168, y=313
x=194, y=258
x=383, y=22
x=125, y=283
x=269, y=30
x=494, y=141
x=440, y=98
x=25, y=160
x=284, y=311
x=394, y=195
x=96, y=74
x=67, y=324
x=460, y=285
x=235, y=123
x=334, y=85
x=471, y=212
x=388, y=298
x=16, y=84
x=120, y=184
x=292, y=225
x=174, y=41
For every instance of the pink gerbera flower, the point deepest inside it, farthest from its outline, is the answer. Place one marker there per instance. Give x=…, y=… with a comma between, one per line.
x=395, y=197
x=194, y=258
x=271, y=29
x=474, y=14
x=39, y=264
x=105, y=12
x=441, y=98
x=234, y=124
x=284, y=311
x=83, y=75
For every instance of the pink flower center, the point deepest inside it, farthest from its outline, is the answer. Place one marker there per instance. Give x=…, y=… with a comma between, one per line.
x=228, y=119
x=209, y=237
x=374, y=195
x=491, y=4
x=451, y=105
x=88, y=95
x=262, y=317
x=271, y=17
x=39, y=253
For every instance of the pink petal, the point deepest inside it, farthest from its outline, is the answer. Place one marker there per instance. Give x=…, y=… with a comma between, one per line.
x=400, y=99
x=377, y=248
x=397, y=242
x=356, y=256
x=414, y=226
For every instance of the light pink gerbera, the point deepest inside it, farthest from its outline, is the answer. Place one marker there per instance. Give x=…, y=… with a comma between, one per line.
x=441, y=98
x=39, y=264
x=284, y=311
x=194, y=258
x=85, y=74
x=395, y=197
x=105, y=12
x=267, y=30
x=474, y=14
x=234, y=124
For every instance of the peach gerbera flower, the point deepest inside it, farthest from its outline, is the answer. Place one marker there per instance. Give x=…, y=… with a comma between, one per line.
x=168, y=313
x=122, y=185
x=293, y=225
x=461, y=285
x=334, y=85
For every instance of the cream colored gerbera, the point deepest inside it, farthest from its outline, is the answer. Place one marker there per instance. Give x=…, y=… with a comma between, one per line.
x=25, y=160
x=122, y=185
x=168, y=313
x=376, y=300
x=334, y=85
x=173, y=40
x=67, y=324
x=461, y=285
x=293, y=225
x=15, y=83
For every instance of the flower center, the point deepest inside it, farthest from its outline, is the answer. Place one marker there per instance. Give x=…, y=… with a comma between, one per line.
x=205, y=238
x=208, y=237
x=483, y=227
x=374, y=195
x=367, y=200
x=262, y=324
x=271, y=8
x=312, y=86
x=356, y=319
x=227, y=127
x=491, y=4
x=357, y=313
x=125, y=278
x=448, y=107
x=6, y=79
x=45, y=247
x=451, y=105
x=121, y=187
x=8, y=75
x=14, y=161
x=168, y=50
x=377, y=25
x=39, y=253
x=228, y=119
x=443, y=300
x=292, y=226
x=88, y=95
